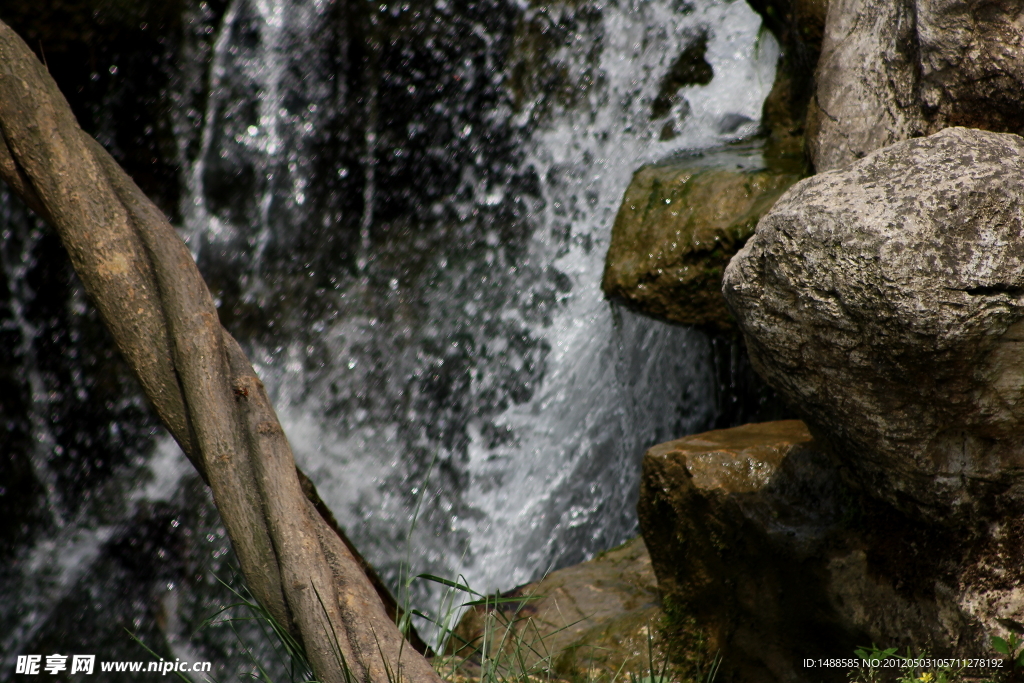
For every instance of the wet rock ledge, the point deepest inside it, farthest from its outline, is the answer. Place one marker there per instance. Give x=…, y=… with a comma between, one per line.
x=681, y=221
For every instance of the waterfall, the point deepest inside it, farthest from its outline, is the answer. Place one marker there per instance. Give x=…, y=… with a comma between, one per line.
x=470, y=339
x=402, y=211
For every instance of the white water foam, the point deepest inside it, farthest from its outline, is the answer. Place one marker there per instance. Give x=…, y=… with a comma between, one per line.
x=611, y=385
x=563, y=486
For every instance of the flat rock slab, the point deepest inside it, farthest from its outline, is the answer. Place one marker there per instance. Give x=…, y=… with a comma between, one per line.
x=592, y=618
x=737, y=460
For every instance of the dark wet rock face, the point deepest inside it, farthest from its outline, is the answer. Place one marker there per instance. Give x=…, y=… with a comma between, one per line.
x=690, y=68
x=760, y=543
x=736, y=521
x=894, y=70
x=114, y=61
x=798, y=25
x=884, y=301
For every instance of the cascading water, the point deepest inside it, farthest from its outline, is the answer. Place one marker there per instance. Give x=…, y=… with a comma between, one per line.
x=490, y=355
x=403, y=211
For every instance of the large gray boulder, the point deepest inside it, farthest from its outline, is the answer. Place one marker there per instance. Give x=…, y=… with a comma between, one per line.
x=894, y=69
x=884, y=301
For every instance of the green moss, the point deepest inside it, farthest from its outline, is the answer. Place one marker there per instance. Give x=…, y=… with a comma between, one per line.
x=685, y=643
x=681, y=222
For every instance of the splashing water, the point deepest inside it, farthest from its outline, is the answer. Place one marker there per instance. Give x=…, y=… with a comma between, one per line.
x=613, y=387
x=470, y=338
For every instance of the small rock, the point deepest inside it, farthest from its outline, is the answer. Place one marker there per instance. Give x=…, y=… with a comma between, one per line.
x=592, y=619
x=679, y=224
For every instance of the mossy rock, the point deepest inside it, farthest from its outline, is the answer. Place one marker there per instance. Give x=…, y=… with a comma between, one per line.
x=596, y=621
x=679, y=224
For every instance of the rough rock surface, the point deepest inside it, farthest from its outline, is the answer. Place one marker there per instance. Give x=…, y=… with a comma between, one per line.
x=757, y=538
x=890, y=70
x=722, y=556
x=591, y=619
x=884, y=302
x=679, y=224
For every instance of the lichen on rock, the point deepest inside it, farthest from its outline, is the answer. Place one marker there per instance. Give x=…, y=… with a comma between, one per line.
x=885, y=301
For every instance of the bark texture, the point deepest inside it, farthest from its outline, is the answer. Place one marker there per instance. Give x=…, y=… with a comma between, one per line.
x=142, y=278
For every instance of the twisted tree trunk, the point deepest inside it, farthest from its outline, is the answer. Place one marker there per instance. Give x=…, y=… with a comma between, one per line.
x=142, y=278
